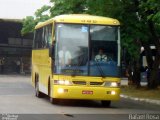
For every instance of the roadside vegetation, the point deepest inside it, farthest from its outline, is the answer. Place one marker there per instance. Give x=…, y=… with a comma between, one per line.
x=142, y=92
x=140, y=26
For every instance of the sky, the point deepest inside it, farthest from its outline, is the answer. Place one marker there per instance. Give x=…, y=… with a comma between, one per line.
x=19, y=9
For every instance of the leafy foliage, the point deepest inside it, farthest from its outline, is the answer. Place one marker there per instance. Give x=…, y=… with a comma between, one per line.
x=67, y=7
x=28, y=25
x=30, y=21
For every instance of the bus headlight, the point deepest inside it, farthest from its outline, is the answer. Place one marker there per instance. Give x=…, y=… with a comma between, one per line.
x=112, y=84
x=61, y=90
x=62, y=82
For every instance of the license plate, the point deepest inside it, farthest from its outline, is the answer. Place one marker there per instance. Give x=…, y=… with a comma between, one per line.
x=87, y=92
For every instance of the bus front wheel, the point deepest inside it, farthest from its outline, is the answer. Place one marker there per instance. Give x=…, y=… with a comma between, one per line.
x=106, y=103
x=52, y=100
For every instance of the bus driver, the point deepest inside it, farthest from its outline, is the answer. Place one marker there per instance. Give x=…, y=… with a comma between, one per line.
x=101, y=56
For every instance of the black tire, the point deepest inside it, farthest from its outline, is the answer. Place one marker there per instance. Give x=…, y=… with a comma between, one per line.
x=106, y=103
x=37, y=92
x=52, y=100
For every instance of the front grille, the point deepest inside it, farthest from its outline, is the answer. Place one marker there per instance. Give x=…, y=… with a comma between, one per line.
x=96, y=83
x=79, y=82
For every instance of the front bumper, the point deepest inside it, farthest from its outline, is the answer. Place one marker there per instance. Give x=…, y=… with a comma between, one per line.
x=85, y=92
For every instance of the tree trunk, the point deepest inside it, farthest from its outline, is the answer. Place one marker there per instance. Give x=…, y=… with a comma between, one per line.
x=148, y=54
x=136, y=74
x=153, y=79
x=130, y=74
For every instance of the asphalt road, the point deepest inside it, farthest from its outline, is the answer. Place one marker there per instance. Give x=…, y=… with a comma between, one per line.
x=17, y=98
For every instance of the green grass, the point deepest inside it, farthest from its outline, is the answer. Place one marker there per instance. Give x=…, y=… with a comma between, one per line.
x=142, y=92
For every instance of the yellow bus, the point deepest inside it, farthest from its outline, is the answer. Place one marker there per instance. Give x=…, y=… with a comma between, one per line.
x=77, y=56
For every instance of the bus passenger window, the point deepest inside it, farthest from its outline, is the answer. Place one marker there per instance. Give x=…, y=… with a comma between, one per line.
x=47, y=36
x=38, y=39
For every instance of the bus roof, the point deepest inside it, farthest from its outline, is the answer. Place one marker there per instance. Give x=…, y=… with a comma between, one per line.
x=80, y=19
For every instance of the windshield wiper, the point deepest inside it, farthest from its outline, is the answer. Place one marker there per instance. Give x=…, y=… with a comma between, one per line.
x=100, y=69
x=77, y=66
x=80, y=63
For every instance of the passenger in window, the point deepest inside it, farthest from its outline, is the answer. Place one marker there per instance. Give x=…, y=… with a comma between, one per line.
x=101, y=57
x=64, y=57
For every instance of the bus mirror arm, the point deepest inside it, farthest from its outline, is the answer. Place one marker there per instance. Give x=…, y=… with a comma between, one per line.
x=51, y=52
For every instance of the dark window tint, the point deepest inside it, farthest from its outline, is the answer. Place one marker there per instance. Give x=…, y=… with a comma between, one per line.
x=38, y=38
x=47, y=41
x=43, y=37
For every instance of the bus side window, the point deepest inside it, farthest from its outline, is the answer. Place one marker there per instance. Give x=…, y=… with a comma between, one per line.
x=38, y=38
x=45, y=35
x=48, y=36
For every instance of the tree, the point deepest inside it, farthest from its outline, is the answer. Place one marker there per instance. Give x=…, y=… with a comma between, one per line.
x=30, y=21
x=150, y=12
x=28, y=25
x=143, y=22
x=67, y=7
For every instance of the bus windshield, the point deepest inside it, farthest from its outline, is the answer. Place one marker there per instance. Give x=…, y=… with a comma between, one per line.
x=86, y=50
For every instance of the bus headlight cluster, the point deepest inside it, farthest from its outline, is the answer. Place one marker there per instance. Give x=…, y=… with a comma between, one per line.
x=62, y=82
x=112, y=84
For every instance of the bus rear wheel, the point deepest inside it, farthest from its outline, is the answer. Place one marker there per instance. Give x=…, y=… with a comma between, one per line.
x=106, y=103
x=37, y=92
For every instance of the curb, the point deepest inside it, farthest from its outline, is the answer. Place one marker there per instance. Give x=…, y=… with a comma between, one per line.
x=157, y=102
